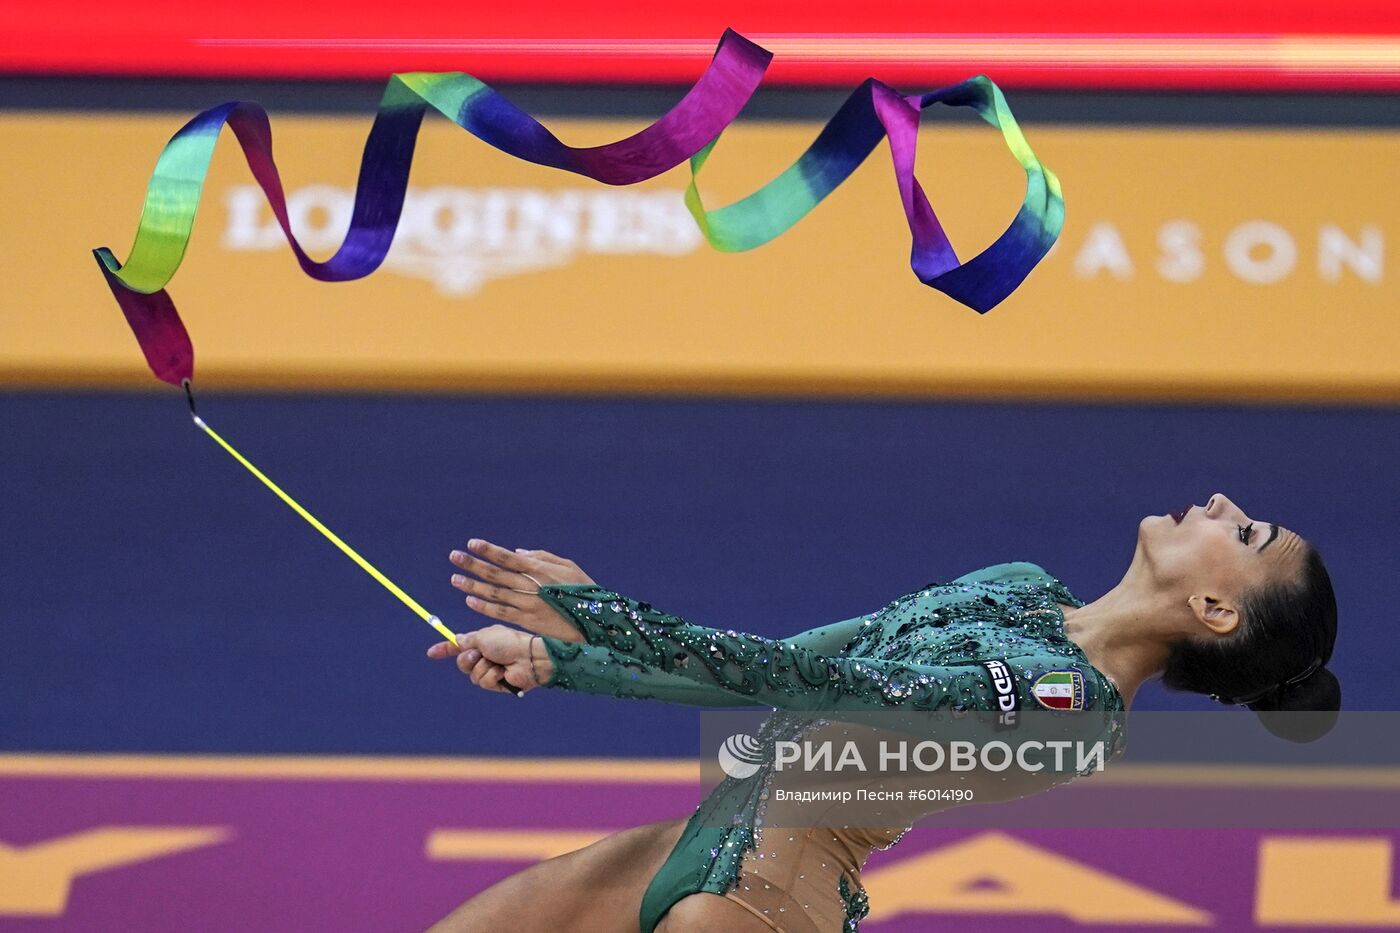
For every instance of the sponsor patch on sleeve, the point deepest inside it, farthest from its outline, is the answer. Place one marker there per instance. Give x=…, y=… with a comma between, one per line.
x=1059, y=690
x=1006, y=699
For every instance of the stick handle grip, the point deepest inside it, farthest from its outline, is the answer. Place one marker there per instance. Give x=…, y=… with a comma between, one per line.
x=447, y=633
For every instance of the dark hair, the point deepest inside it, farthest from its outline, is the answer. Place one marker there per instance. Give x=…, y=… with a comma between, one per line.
x=1274, y=660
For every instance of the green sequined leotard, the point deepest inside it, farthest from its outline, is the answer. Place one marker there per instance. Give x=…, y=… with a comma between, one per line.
x=927, y=650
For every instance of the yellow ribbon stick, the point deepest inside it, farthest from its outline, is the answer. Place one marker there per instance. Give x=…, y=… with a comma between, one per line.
x=331, y=536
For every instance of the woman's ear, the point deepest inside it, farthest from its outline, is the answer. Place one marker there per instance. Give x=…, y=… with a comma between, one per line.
x=1218, y=615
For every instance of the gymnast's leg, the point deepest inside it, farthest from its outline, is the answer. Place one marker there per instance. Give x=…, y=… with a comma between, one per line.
x=711, y=913
x=596, y=889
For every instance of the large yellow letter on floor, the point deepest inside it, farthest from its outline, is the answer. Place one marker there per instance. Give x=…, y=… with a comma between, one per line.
x=998, y=874
x=34, y=880
x=1342, y=882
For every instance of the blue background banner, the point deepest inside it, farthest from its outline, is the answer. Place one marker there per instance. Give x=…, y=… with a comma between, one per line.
x=159, y=599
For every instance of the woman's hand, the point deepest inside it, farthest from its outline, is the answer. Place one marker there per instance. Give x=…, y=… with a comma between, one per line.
x=499, y=653
x=503, y=588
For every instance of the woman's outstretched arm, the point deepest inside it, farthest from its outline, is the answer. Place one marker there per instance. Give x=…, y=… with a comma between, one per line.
x=521, y=660
x=598, y=641
x=499, y=583
x=624, y=637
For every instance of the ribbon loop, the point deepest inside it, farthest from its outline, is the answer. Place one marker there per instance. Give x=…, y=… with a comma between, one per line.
x=689, y=130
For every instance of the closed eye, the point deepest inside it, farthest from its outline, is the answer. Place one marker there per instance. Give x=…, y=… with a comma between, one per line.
x=1273, y=533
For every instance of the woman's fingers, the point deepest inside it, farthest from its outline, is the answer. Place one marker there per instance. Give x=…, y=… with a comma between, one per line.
x=518, y=570
x=511, y=560
x=489, y=676
x=510, y=579
x=494, y=610
x=545, y=556
x=517, y=677
x=480, y=669
x=496, y=658
x=476, y=669
x=443, y=649
x=567, y=571
x=491, y=592
x=494, y=679
x=446, y=649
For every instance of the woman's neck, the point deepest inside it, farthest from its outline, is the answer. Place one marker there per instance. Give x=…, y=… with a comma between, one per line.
x=1124, y=634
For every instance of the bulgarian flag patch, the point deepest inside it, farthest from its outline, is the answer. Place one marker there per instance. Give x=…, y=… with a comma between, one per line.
x=1059, y=690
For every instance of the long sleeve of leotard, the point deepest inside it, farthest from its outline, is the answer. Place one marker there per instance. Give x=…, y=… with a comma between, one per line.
x=597, y=666
x=629, y=643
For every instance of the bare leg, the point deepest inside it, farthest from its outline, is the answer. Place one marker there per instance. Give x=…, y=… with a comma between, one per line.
x=597, y=889
x=711, y=913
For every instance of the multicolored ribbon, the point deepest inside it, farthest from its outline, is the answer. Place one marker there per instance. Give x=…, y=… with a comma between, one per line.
x=689, y=131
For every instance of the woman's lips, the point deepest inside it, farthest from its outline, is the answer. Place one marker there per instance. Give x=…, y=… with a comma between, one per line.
x=1178, y=516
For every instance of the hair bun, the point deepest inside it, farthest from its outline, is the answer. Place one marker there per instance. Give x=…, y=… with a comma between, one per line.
x=1303, y=711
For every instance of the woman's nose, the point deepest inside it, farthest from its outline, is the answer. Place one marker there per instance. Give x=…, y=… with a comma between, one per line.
x=1220, y=504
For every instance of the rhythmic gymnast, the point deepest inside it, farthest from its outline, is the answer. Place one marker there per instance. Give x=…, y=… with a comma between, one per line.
x=1213, y=602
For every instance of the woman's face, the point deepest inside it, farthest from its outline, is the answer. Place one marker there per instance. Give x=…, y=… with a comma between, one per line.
x=1212, y=554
